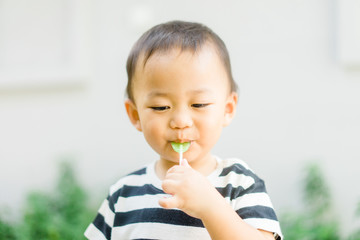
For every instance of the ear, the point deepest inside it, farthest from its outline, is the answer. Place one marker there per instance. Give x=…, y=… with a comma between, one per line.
x=133, y=114
x=230, y=108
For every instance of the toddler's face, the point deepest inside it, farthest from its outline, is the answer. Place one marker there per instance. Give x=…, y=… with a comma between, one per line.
x=182, y=97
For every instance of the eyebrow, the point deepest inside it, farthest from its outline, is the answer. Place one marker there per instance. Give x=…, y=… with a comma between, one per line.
x=156, y=93
x=201, y=90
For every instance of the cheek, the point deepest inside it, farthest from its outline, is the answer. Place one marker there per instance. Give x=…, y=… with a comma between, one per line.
x=153, y=130
x=214, y=118
x=210, y=129
x=211, y=132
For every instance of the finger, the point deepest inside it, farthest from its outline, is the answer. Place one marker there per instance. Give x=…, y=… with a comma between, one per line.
x=185, y=163
x=174, y=176
x=175, y=169
x=169, y=186
x=169, y=202
x=172, y=169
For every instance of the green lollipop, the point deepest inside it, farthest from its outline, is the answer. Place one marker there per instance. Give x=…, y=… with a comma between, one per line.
x=180, y=147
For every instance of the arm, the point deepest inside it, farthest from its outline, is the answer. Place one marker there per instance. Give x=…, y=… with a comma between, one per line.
x=193, y=193
x=222, y=222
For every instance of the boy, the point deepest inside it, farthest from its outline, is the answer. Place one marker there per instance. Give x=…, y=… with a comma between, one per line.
x=180, y=89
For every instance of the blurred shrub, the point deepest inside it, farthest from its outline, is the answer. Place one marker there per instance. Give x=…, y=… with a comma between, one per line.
x=356, y=234
x=63, y=214
x=6, y=231
x=317, y=220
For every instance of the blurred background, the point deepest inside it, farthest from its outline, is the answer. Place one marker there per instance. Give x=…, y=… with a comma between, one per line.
x=62, y=82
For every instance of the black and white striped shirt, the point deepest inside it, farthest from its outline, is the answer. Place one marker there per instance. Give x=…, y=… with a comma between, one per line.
x=131, y=211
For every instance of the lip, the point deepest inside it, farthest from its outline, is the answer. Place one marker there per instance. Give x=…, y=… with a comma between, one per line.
x=182, y=141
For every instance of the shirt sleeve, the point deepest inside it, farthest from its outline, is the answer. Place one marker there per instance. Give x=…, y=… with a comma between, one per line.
x=101, y=227
x=254, y=206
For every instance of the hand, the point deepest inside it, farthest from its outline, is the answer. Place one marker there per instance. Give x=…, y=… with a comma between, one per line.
x=191, y=191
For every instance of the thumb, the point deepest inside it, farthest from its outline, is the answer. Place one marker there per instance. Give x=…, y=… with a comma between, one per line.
x=185, y=163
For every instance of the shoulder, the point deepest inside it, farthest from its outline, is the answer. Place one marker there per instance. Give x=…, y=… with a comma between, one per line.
x=236, y=166
x=130, y=183
x=236, y=172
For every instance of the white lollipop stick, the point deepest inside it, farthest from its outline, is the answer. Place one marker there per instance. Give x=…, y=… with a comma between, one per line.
x=181, y=155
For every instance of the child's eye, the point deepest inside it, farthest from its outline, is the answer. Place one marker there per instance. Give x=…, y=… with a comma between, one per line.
x=200, y=105
x=161, y=108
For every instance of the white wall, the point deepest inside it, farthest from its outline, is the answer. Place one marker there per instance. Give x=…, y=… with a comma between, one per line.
x=61, y=92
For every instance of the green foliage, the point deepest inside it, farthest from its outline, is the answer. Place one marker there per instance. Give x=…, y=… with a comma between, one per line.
x=358, y=210
x=356, y=234
x=316, y=192
x=62, y=214
x=316, y=221
x=7, y=231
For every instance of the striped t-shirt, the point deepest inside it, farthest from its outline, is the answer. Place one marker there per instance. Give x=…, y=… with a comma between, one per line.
x=131, y=210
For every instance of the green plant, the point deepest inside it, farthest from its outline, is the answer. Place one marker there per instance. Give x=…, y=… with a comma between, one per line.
x=356, y=234
x=62, y=214
x=316, y=221
x=7, y=231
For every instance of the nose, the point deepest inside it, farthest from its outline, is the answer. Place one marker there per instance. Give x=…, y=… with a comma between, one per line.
x=181, y=119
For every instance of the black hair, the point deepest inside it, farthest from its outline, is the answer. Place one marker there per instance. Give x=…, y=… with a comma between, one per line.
x=175, y=34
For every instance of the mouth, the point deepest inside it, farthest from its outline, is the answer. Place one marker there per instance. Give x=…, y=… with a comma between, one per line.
x=182, y=141
x=180, y=147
